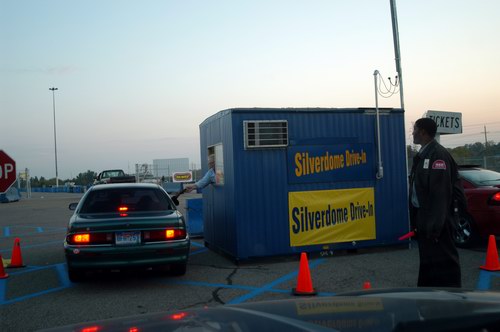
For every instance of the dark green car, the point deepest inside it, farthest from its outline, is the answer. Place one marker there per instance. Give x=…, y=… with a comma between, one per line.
x=125, y=225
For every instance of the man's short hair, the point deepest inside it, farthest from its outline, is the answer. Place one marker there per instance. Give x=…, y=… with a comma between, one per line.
x=428, y=125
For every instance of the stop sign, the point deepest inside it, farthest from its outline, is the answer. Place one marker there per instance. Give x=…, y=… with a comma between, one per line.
x=7, y=171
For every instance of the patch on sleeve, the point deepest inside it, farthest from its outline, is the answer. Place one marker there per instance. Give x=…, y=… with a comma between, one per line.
x=439, y=164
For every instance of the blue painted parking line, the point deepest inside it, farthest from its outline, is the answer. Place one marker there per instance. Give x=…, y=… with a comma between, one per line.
x=3, y=290
x=63, y=275
x=61, y=272
x=8, y=231
x=35, y=245
x=29, y=296
x=199, y=251
x=31, y=269
x=484, y=282
x=270, y=286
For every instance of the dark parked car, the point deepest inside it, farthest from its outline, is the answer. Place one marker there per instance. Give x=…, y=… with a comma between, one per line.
x=125, y=225
x=482, y=189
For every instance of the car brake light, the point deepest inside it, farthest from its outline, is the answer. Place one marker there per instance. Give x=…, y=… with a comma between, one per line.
x=81, y=238
x=123, y=208
x=495, y=199
x=90, y=238
x=164, y=234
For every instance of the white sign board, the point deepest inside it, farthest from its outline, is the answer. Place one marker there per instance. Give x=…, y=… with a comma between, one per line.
x=447, y=122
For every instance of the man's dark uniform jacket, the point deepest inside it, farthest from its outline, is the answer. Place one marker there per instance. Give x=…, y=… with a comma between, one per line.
x=434, y=173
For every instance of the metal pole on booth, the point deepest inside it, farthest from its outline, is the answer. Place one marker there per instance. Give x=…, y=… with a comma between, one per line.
x=55, y=137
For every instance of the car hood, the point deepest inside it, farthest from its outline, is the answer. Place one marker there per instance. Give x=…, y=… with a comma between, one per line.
x=379, y=310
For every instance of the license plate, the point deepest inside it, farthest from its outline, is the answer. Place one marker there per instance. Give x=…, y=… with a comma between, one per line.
x=128, y=238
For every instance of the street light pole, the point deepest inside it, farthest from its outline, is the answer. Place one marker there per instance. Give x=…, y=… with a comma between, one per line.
x=55, y=137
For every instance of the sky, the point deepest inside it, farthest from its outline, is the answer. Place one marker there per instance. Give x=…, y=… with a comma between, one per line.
x=135, y=79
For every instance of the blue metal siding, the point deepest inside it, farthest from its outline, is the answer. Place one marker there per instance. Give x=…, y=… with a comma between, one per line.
x=255, y=194
x=218, y=201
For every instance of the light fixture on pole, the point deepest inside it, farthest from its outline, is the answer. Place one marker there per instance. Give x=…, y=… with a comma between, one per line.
x=55, y=137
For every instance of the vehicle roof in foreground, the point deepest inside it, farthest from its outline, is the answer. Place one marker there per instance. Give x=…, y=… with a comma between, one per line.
x=371, y=310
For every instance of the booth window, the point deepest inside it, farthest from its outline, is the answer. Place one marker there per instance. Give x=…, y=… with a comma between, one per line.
x=265, y=134
x=217, y=152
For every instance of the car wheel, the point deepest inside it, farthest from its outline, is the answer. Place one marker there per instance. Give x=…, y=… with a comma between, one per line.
x=75, y=275
x=465, y=235
x=178, y=269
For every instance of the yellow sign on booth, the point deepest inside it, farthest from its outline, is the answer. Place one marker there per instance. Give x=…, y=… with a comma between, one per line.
x=331, y=216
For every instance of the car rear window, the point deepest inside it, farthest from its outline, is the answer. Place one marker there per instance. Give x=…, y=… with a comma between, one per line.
x=126, y=200
x=481, y=177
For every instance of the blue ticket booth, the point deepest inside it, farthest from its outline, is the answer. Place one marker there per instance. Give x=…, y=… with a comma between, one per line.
x=293, y=180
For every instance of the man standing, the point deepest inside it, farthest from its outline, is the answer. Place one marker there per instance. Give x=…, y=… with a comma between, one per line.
x=208, y=178
x=432, y=178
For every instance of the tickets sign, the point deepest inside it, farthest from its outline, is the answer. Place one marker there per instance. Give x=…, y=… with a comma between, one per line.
x=331, y=216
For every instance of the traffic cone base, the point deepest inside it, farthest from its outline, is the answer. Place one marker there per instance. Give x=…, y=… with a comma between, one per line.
x=492, y=263
x=16, y=259
x=304, y=282
x=299, y=293
x=3, y=275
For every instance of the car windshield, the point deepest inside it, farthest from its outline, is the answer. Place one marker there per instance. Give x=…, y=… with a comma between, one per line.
x=481, y=177
x=126, y=200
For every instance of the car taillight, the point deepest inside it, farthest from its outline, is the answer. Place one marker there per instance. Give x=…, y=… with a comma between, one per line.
x=164, y=234
x=90, y=238
x=495, y=199
x=81, y=238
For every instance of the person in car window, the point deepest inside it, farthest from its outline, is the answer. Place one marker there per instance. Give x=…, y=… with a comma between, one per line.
x=432, y=177
x=208, y=178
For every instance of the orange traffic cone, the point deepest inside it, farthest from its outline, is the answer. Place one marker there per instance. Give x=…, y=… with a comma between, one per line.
x=16, y=260
x=492, y=263
x=304, y=282
x=3, y=275
x=367, y=285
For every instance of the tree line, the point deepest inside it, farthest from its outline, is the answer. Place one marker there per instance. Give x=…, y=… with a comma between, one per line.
x=476, y=153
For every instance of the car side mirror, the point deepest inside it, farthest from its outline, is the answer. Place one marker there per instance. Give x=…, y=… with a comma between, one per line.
x=72, y=206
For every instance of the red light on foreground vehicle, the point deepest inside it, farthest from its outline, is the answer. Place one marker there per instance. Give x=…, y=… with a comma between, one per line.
x=178, y=316
x=495, y=199
x=81, y=238
x=90, y=329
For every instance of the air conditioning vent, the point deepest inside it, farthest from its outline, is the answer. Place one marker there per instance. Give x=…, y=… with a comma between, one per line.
x=265, y=134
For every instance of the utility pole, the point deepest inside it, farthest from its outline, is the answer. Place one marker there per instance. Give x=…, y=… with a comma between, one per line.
x=397, y=52
x=55, y=137
x=485, y=146
x=485, y=138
